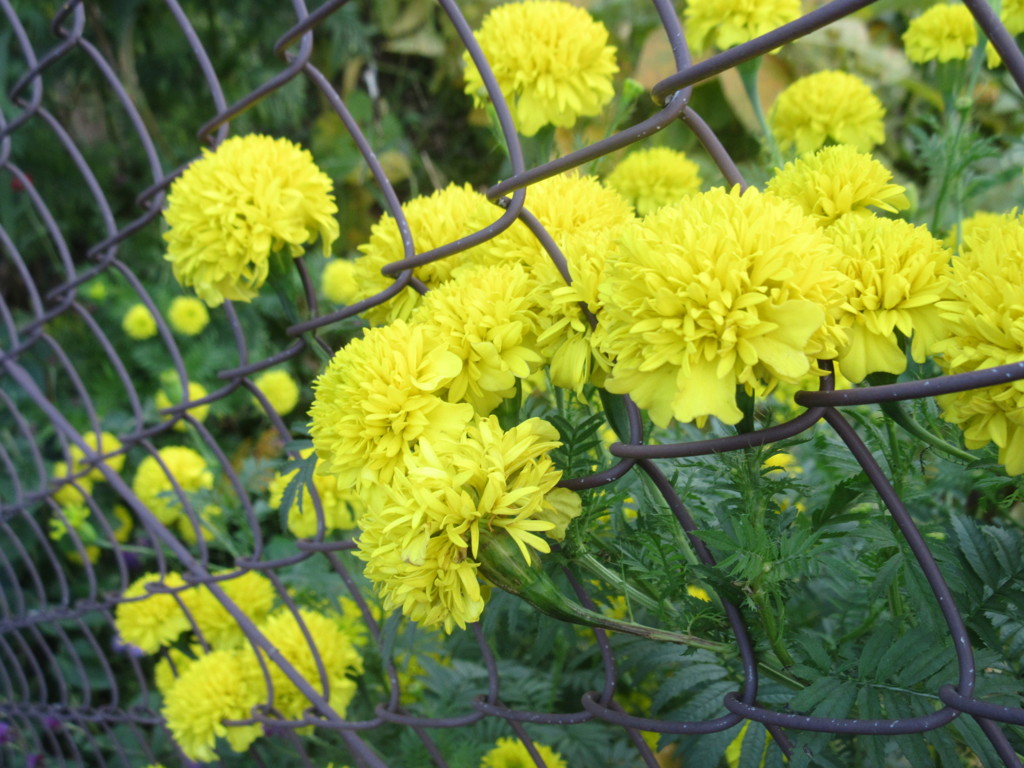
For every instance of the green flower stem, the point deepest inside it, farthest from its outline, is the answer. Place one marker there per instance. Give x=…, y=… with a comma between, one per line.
x=895, y=412
x=597, y=568
x=502, y=564
x=748, y=71
x=771, y=629
x=278, y=281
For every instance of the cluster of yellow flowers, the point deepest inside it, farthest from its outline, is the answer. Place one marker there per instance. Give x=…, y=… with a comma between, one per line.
x=74, y=482
x=224, y=679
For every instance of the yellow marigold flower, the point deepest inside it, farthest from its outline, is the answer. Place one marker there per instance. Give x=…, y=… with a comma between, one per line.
x=985, y=327
x=725, y=23
x=826, y=106
x=66, y=493
x=653, y=177
x=420, y=544
x=698, y=592
x=340, y=660
x=339, y=281
x=280, y=389
x=727, y=289
x=153, y=621
x=378, y=397
x=567, y=341
x=152, y=484
x=188, y=315
x=216, y=687
x=138, y=322
x=435, y=220
x=236, y=206
x=172, y=665
x=512, y=753
x=339, y=506
x=171, y=395
x=838, y=180
x=896, y=275
x=568, y=206
x=252, y=592
x=125, y=524
x=103, y=443
x=782, y=462
x=488, y=318
x=942, y=33
x=552, y=61
x=975, y=226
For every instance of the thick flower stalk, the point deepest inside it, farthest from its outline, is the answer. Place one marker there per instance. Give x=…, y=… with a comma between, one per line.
x=421, y=544
x=896, y=276
x=379, y=396
x=656, y=176
x=985, y=320
x=725, y=23
x=838, y=180
x=238, y=205
x=729, y=289
x=827, y=106
x=552, y=61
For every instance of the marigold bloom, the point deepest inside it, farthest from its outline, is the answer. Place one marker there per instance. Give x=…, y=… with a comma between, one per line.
x=280, y=389
x=698, y=592
x=339, y=281
x=66, y=493
x=985, y=321
x=153, y=485
x=236, y=206
x=567, y=205
x=725, y=23
x=103, y=443
x=188, y=315
x=420, y=544
x=330, y=644
x=378, y=397
x=487, y=317
x=172, y=389
x=567, y=341
x=218, y=686
x=653, y=177
x=825, y=106
x=551, y=59
x=942, y=33
x=725, y=290
x=512, y=753
x=896, y=275
x=339, y=506
x=838, y=180
x=251, y=592
x=435, y=220
x=138, y=322
x=153, y=621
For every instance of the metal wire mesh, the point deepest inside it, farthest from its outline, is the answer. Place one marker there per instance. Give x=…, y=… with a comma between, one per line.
x=73, y=712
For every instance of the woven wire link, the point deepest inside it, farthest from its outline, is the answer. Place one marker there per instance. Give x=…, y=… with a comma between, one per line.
x=75, y=714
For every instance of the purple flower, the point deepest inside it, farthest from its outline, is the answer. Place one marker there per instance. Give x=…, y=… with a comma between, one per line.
x=6, y=733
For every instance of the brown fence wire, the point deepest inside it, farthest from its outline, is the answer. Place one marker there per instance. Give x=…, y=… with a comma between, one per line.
x=62, y=682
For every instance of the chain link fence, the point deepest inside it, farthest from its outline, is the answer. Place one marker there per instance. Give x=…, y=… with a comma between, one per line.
x=69, y=695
